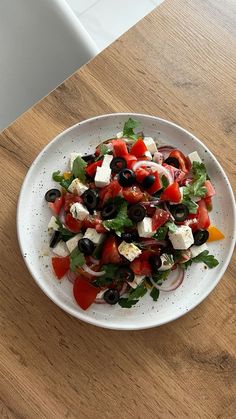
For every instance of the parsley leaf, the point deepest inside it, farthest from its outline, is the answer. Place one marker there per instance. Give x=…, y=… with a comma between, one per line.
x=103, y=150
x=164, y=182
x=192, y=206
x=121, y=221
x=171, y=226
x=78, y=168
x=57, y=176
x=160, y=276
x=64, y=233
x=133, y=296
x=204, y=257
x=65, y=183
x=128, y=130
x=196, y=188
x=161, y=233
x=76, y=259
x=155, y=294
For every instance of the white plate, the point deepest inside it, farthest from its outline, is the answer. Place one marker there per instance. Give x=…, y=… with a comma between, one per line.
x=33, y=216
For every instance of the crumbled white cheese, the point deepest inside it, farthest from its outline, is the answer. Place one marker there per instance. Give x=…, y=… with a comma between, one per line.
x=145, y=227
x=79, y=211
x=94, y=236
x=77, y=187
x=150, y=144
x=129, y=250
x=182, y=238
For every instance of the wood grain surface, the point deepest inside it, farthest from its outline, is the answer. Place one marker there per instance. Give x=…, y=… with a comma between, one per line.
x=178, y=63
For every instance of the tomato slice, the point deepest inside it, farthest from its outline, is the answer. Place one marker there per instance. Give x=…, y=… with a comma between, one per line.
x=109, y=191
x=60, y=265
x=203, y=220
x=156, y=185
x=57, y=205
x=72, y=224
x=208, y=202
x=141, y=265
x=184, y=162
x=92, y=167
x=171, y=193
x=110, y=252
x=70, y=199
x=141, y=173
x=93, y=222
x=84, y=292
x=130, y=160
x=119, y=148
x=133, y=194
x=139, y=148
x=210, y=189
x=159, y=218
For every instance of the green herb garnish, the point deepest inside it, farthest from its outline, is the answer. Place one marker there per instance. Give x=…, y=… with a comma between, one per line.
x=171, y=226
x=76, y=259
x=57, y=176
x=128, y=130
x=78, y=169
x=64, y=233
x=155, y=294
x=121, y=221
x=65, y=183
x=133, y=296
x=108, y=277
x=196, y=188
x=161, y=233
x=164, y=182
x=204, y=257
x=103, y=150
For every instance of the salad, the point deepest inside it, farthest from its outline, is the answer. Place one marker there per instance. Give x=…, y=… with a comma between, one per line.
x=130, y=219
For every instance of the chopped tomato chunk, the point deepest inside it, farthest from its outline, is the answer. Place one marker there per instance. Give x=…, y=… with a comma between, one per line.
x=139, y=148
x=60, y=266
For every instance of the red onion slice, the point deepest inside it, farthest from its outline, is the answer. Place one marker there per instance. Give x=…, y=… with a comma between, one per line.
x=71, y=276
x=167, y=210
x=100, y=300
x=160, y=169
x=87, y=269
x=152, y=242
x=165, y=150
x=94, y=261
x=174, y=282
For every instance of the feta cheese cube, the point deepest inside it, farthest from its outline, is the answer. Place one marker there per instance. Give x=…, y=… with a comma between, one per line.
x=196, y=250
x=194, y=156
x=79, y=211
x=150, y=144
x=158, y=157
x=77, y=187
x=102, y=177
x=145, y=227
x=107, y=160
x=61, y=249
x=92, y=235
x=129, y=250
x=52, y=225
x=138, y=279
x=73, y=156
x=119, y=134
x=167, y=262
x=73, y=242
x=182, y=238
x=148, y=155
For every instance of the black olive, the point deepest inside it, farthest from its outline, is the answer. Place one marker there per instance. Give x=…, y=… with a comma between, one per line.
x=130, y=237
x=180, y=212
x=126, y=177
x=200, y=237
x=56, y=237
x=52, y=195
x=137, y=212
x=155, y=262
x=117, y=164
x=172, y=161
x=89, y=158
x=125, y=273
x=91, y=199
x=148, y=181
x=109, y=211
x=111, y=296
x=86, y=246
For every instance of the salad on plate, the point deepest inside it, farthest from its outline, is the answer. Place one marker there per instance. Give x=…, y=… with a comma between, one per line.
x=130, y=219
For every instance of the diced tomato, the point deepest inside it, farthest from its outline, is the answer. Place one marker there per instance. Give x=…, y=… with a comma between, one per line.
x=156, y=185
x=92, y=167
x=60, y=266
x=84, y=292
x=119, y=148
x=139, y=148
x=130, y=160
x=171, y=193
x=110, y=252
x=57, y=205
x=100, y=228
x=109, y=191
x=184, y=162
x=72, y=224
x=70, y=199
x=133, y=194
x=93, y=222
x=141, y=173
x=202, y=215
x=210, y=189
x=141, y=265
x=208, y=202
x=159, y=218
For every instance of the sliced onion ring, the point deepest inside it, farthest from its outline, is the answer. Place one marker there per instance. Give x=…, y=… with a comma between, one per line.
x=71, y=276
x=176, y=282
x=94, y=261
x=166, y=150
x=167, y=210
x=160, y=169
x=153, y=242
x=87, y=269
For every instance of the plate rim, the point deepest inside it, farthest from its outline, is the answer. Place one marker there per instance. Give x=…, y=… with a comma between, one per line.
x=80, y=315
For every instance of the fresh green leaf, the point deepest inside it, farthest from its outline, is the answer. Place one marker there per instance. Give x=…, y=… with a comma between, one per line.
x=155, y=294
x=65, y=183
x=161, y=276
x=128, y=130
x=57, y=176
x=102, y=282
x=164, y=182
x=78, y=169
x=126, y=303
x=64, y=233
x=196, y=187
x=108, y=277
x=177, y=255
x=209, y=260
x=171, y=226
x=192, y=206
x=161, y=233
x=121, y=221
x=133, y=296
x=117, y=201
x=103, y=150
x=76, y=259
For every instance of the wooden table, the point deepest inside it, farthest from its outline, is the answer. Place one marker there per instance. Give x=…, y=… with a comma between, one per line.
x=178, y=63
